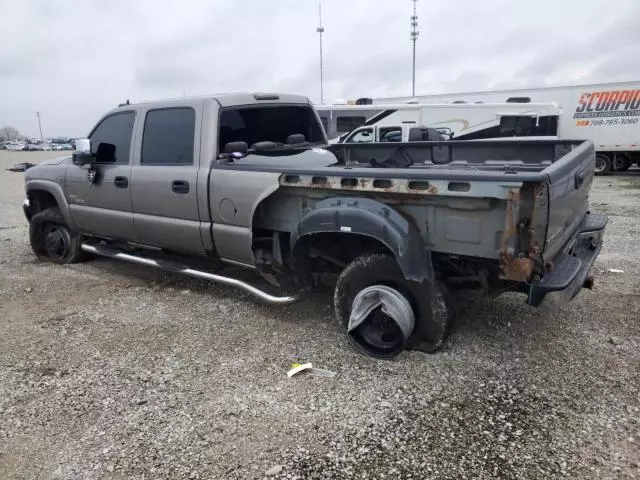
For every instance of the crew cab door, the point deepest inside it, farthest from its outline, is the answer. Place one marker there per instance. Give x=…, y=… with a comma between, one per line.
x=164, y=179
x=103, y=207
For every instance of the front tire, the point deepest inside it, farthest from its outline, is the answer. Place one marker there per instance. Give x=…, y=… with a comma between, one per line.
x=429, y=301
x=52, y=240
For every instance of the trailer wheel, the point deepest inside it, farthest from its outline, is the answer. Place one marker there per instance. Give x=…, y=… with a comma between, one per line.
x=603, y=164
x=52, y=240
x=410, y=315
x=621, y=163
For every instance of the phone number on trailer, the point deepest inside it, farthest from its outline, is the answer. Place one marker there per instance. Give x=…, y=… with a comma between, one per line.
x=608, y=122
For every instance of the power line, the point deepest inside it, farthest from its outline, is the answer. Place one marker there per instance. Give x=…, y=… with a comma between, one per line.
x=414, y=36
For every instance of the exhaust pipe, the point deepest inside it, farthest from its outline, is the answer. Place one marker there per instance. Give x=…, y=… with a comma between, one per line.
x=183, y=269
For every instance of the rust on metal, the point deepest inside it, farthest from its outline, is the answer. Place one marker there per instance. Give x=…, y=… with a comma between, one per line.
x=363, y=184
x=512, y=265
x=517, y=269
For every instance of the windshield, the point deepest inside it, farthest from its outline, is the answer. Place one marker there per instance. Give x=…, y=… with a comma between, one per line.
x=273, y=123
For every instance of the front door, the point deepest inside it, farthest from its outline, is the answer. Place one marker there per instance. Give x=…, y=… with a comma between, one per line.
x=103, y=207
x=164, y=181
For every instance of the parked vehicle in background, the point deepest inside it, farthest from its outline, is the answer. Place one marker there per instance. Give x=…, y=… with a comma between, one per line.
x=15, y=146
x=395, y=133
x=194, y=185
x=608, y=114
x=32, y=147
x=61, y=146
x=463, y=122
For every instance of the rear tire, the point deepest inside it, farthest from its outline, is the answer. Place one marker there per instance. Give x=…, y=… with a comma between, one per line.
x=430, y=302
x=52, y=240
x=604, y=164
x=621, y=163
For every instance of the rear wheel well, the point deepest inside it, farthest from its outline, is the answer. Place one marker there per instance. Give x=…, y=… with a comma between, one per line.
x=331, y=252
x=41, y=200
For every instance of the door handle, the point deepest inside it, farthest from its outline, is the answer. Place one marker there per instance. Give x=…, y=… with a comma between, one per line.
x=121, y=182
x=180, y=186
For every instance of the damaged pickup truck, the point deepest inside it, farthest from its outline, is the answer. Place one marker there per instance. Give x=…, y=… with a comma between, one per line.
x=196, y=185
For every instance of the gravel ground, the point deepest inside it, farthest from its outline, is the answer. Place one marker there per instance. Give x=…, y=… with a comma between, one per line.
x=108, y=370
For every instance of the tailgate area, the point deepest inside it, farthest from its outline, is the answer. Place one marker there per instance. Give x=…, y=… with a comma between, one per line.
x=570, y=181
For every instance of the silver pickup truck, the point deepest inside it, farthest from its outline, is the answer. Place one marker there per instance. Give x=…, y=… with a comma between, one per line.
x=198, y=185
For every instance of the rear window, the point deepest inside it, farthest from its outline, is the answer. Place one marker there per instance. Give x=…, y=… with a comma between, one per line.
x=268, y=123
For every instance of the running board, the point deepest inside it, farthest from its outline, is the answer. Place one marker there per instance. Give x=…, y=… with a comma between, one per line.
x=106, y=251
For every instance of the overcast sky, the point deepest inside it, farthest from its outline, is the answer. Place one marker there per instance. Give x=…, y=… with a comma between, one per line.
x=74, y=59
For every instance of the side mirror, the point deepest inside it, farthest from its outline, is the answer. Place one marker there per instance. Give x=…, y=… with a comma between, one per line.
x=106, y=153
x=82, y=154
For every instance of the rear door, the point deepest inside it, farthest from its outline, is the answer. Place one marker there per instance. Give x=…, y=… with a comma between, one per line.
x=570, y=179
x=103, y=207
x=164, y=179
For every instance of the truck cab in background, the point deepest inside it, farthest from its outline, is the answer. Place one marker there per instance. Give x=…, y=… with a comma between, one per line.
x=407, y=132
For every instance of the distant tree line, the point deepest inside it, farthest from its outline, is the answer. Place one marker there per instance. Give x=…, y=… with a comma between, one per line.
x=9, y=133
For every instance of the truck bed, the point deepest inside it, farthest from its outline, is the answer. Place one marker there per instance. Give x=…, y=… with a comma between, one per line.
x=516, y=203
x=528, y=160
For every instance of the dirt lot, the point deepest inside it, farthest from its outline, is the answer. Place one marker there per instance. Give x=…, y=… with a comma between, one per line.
x=109, y=370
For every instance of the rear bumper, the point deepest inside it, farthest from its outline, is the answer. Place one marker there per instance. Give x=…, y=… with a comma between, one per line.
x=26, y=208
x=573, y=263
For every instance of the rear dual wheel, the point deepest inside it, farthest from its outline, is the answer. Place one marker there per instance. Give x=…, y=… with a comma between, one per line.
x=423, y=311
x=606, y=164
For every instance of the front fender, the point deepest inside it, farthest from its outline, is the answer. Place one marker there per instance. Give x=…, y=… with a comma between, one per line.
x=56, y=191
x=363, y=216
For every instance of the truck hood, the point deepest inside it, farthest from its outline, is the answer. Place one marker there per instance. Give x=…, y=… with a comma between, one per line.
x=54, y=161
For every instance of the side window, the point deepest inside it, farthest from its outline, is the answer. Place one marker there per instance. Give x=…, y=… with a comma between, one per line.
x=115, y=129
x=362, y=136
x=346, y=124
x=527, y=126
x=168, y=137
x=392, y=134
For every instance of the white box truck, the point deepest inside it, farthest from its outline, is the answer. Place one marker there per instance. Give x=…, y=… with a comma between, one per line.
x=608, y=114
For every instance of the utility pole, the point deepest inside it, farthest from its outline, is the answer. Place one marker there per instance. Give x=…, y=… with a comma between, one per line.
x=39, y=125
x=414, y=36
x=320, y=31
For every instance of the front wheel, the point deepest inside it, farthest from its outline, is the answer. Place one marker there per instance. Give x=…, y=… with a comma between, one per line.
x=384, y=313
x=52, y=240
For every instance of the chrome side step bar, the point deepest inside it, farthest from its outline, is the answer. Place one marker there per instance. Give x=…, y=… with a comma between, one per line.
x=183, y=269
